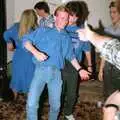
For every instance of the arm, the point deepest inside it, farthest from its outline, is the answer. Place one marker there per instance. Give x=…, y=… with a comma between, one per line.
x=102, y=64
x=108, y=47
x=30, y=42
x=37, y=54
x=89, y=61
x=110, y=112
x=83, y=73
x=87, y=50
x=96, y=39
x=10, y=36
x=69, y=55
x=10, y=46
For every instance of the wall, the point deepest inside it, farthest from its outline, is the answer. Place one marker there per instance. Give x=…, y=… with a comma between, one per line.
x=10, y=9
x=98, y=9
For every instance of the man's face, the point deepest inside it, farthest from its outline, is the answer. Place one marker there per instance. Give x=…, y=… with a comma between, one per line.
x=40, y=12
x=72, y=19
x=61, y=19
x=115, y=16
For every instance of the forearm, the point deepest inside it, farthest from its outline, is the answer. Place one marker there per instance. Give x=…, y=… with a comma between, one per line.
x=28, y=45
x=102, y=64
x=10, y=46
x=40, y=56
x=98, y=40
x=75, y=63
x=88, y=56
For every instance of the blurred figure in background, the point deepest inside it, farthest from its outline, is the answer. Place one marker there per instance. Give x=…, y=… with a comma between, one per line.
x=108, y=73
x=43, y=11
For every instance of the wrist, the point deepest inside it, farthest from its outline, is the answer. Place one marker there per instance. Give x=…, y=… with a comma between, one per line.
x=89, y=66
x=79, y=69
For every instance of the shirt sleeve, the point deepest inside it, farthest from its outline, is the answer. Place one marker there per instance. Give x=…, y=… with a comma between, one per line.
x=68, y=49
x=34, y=36
x=9, y=34
x=86, y=46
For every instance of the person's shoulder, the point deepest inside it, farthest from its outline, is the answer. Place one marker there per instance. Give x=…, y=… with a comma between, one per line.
x=43, y=30
x=16, y=24
x=66, y=35
x=14, y=27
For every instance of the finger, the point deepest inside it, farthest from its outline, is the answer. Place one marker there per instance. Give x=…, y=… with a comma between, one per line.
x=89, y=73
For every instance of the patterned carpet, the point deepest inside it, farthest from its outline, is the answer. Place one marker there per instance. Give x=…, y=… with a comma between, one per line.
x=85, y=108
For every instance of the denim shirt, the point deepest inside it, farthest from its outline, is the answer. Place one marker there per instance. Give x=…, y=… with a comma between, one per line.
x=78, y=46
x=56, y=44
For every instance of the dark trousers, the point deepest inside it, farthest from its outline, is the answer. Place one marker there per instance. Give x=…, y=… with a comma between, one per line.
x=69, y=94
x=111, y=79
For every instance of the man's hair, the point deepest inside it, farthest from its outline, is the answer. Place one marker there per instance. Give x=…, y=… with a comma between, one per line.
x=112, y=4
x=42, y=6
x=78, y=8
x=61, y=8
x=118, y=5
x=85, y=9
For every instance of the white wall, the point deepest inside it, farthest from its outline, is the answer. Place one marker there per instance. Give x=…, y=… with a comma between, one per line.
x=98, y=11
x=10, y=19
x=10, y=8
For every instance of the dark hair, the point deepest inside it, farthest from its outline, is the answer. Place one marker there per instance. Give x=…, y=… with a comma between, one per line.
x=112, y=4
x=85, y=9
x=118, y=5
x=80, y=9
x=42, y=5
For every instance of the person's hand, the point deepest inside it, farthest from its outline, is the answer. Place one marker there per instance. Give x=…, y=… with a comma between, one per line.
x=84, y=74
x=40, y=56
x=10, y=46
x=85, y=34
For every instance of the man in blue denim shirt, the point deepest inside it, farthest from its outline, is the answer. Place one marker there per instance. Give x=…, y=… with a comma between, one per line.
x=50, y=46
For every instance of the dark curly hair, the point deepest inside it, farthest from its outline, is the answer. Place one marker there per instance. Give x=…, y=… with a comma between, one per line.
x=118, y=5
x=78, y=8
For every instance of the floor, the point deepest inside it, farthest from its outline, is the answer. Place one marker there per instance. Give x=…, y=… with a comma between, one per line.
x=90, y=92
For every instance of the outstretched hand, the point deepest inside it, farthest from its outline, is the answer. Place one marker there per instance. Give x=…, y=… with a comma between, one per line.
x=85, y=34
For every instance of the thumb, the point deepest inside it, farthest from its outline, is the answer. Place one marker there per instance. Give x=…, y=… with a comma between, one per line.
x=87, y=29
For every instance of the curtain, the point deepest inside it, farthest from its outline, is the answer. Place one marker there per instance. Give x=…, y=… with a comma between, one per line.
x=3, y=50
x=3, y=53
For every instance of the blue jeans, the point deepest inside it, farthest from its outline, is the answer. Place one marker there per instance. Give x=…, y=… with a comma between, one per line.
x=52, y=77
